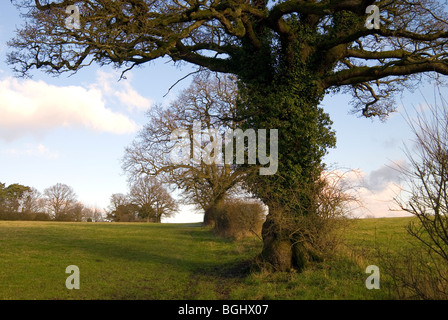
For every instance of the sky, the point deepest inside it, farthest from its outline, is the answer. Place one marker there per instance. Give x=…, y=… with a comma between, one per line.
x=73, y=130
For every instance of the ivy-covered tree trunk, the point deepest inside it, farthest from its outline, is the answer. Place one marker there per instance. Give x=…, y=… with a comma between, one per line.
x=304, y=136
x=277, y=245
x=289, y=102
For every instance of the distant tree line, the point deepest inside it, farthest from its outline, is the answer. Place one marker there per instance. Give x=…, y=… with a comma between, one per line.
x=58, y=203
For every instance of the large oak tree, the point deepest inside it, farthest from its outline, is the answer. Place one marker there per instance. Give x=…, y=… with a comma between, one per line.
x=287, y=55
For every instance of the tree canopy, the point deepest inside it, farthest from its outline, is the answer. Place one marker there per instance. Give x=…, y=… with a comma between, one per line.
x=11, y=196
x=223, y=35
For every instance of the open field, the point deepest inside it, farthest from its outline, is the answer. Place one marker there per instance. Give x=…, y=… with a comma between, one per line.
x=177, y=261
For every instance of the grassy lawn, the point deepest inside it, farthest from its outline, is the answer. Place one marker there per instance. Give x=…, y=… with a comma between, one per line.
x=175, y=261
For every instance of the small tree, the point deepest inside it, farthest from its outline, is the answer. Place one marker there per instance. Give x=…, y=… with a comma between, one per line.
x=117, y=199
x=33, y=204
x=426, y=198
x=91, y=214
x=60, y=198
x=427, y=176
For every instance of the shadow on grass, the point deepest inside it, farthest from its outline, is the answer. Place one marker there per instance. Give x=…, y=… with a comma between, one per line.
x=179, y=247
x=230, y=270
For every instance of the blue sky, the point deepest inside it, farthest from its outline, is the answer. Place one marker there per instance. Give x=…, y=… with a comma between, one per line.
x=85, y=121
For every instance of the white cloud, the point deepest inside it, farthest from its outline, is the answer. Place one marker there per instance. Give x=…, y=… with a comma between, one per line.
x=133, y=99
x=39, y=150
x=30, y=107
x=380, y=203
x=121, y=90
x=375, y=191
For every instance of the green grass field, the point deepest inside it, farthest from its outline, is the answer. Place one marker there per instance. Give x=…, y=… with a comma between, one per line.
x=177, y=261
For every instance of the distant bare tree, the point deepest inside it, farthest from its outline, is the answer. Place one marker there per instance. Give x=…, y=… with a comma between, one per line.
x=60, y=198
x=91, y=214
x=209, y=103
x=152, y=199
x=77, y=212
x=32, y=203
x=97, y=215
x=116, y=200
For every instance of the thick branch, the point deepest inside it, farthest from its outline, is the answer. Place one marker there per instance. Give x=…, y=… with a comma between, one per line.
x=365, y=74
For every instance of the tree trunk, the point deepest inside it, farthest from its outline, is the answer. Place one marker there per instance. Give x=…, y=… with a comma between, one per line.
x=209, y=216
x=288, y=102
x=284, y=247
x=304, y=135
x=210, y=212
x=277, y=249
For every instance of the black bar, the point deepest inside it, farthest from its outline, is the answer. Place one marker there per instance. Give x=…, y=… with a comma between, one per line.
x=223, y=309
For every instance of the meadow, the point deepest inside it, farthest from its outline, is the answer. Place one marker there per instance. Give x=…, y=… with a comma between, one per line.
x=180, y=261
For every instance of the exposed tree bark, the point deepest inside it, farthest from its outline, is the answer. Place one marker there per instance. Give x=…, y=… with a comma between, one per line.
x=210, y=212
x=209, y=216
x=277, y=247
